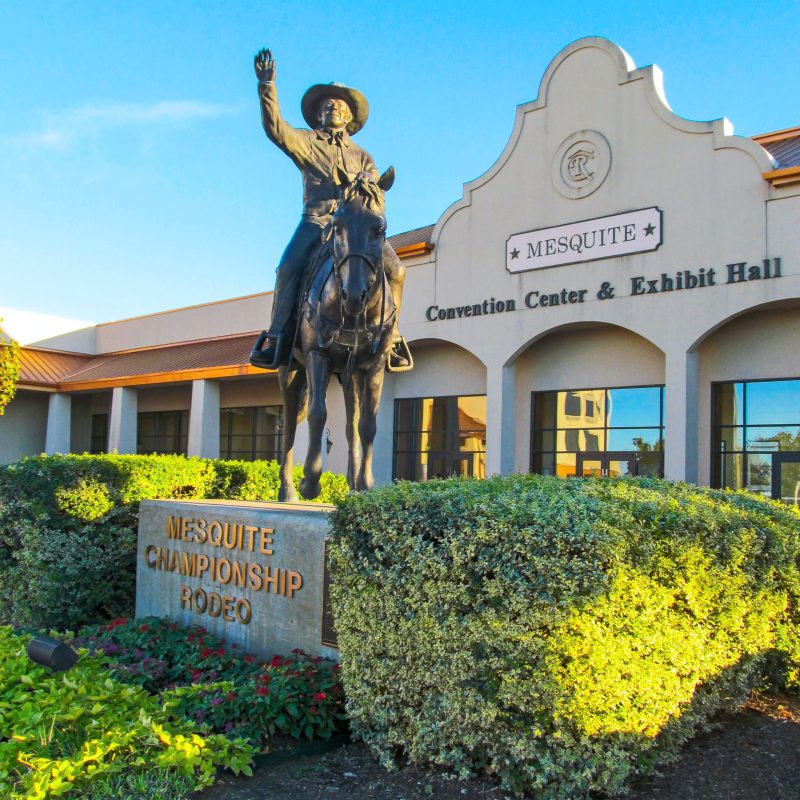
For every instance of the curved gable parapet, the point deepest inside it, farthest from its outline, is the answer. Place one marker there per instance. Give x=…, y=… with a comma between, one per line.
x=626, y=72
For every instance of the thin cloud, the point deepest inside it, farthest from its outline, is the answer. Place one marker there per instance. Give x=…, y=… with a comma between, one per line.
x=65, y=128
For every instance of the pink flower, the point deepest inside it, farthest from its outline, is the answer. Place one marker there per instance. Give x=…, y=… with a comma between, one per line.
x=320, y=696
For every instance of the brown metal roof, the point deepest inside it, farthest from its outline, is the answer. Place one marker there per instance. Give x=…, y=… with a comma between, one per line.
x=783, y=146
x=231, y=351
x=417, y=236
x=47, y=367
x=221, y=357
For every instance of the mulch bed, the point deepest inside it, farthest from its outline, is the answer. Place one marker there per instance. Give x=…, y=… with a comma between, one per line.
x=752, y=755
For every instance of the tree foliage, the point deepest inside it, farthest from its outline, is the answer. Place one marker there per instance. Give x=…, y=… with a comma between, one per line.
x=9, y=369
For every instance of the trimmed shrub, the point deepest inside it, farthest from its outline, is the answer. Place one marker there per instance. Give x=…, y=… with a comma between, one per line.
x=561, y=634
x=68, y=526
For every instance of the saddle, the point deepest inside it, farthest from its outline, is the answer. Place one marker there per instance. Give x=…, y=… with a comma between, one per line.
x=399, y=360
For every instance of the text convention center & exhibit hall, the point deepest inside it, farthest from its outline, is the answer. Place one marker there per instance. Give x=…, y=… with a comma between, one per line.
x=618, y=294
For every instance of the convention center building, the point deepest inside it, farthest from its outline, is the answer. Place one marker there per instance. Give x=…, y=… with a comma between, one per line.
x=619, y=294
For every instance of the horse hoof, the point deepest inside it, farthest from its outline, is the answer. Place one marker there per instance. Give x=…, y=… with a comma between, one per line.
x=310, y=490
x=287, y=495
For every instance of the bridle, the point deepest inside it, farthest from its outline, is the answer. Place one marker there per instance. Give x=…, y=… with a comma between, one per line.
x=350, y=338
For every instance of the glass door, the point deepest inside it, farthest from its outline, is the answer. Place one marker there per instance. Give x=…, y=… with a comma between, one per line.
x=605, y=465
x=786, y=478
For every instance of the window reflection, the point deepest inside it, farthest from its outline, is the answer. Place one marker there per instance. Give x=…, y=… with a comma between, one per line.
x=624, y=426
x=752, y=421
x=437, y=437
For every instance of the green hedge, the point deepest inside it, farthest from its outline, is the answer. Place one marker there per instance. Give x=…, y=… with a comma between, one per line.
x=68, y=526
x=561, y=634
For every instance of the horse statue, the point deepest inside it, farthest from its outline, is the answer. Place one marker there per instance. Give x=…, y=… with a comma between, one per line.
x=345, y=327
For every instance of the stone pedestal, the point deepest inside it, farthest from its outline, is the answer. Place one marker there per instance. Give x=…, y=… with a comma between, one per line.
x=252, y=573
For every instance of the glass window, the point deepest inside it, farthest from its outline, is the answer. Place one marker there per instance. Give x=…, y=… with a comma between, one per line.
x=251, y=433
x=436, y=437
x=772, y=402
x=752, y=421
x=624, y=423
x=572, y=404
x=162, y=432
x=634, y=408
x=729, y=403
x=99, y=434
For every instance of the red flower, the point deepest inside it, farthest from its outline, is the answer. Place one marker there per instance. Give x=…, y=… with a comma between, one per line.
x=230, y=697
x=115, y=623
x=298, y=652
x=320, y=696
x=249, y=659
x=277, y=661
x=262, y=690
x=220, y=651
x=144, y=628
x=207, y=652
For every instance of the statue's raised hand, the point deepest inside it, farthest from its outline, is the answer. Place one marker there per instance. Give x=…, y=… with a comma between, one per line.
x=265, y=65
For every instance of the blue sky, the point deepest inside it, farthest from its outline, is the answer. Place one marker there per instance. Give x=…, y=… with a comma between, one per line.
x=135, y=176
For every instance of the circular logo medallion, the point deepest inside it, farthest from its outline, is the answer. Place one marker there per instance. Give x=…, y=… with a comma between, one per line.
x=581, y=164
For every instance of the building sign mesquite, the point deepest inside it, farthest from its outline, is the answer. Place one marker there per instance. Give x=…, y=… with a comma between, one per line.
x=590, y=240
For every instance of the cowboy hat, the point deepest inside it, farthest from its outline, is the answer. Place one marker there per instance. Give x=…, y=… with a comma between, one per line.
x=309, y=105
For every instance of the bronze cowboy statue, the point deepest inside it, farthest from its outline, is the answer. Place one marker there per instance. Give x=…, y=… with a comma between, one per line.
x=335, y=113
x=339, y=284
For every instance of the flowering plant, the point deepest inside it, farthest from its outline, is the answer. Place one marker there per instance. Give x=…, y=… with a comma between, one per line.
x=220, y=687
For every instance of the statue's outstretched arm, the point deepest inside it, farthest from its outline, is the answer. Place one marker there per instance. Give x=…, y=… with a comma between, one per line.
x=293, y=142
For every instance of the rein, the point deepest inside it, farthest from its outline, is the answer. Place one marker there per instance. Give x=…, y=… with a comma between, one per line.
x=349, y=338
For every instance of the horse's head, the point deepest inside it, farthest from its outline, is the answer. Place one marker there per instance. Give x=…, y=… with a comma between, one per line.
x=359, y=230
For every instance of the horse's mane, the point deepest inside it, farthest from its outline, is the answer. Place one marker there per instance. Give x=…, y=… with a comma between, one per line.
x=365, y=190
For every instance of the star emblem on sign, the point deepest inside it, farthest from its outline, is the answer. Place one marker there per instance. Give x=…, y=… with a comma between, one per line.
x=515, y=253
x=648, y=230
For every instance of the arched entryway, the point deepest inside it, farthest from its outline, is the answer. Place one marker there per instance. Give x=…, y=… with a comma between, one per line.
x=749, y=404
x=590, y=401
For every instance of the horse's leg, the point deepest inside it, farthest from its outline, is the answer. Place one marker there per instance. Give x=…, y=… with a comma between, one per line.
x=371, y=388
x=318, y=372
x=352, y=411
x=293, y=390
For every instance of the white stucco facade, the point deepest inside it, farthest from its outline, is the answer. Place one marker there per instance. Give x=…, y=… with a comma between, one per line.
x=710, y=293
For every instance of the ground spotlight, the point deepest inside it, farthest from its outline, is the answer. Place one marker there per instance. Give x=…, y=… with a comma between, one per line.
x=52, y=653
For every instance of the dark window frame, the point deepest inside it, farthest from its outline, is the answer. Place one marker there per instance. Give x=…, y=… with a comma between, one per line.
x=180, y=438
x=554, y=451
x=451, y=454
x=96, y=437
x=277, y=445
x=717, y=468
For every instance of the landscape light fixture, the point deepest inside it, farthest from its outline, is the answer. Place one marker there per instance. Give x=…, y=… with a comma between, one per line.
x=52, y=653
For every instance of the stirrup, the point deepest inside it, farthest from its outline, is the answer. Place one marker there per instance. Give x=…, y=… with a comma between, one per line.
x=401, y=346
x=269, y=358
